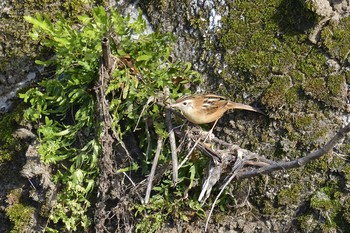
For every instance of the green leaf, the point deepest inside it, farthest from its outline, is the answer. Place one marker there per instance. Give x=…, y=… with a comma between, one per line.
x=44, y=63
x=61, y=41
x=133, y=167
x=192, y=175
x=144, y=57
x=62, y=133
x=90, y=185
x=78, y=176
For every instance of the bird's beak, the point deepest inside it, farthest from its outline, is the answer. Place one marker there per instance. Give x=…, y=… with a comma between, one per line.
x=175, y=105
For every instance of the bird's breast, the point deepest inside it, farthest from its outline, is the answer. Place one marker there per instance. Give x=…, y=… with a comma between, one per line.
x=201, y=117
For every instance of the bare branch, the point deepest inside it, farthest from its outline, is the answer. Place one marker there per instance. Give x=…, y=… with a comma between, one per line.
x=172, y=146
x=171, y=138
x=299, y=162
x=153, y=169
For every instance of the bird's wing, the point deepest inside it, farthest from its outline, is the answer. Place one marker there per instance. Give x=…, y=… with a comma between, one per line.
x=213, y=102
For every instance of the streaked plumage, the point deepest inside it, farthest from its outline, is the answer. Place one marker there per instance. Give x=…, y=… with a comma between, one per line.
x=206, y=108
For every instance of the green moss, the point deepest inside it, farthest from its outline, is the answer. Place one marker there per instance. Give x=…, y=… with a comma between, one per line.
x=345, y=147
x=288, y=196
x=336, y=163
x=292, y=95
x=9, y=145
x=326, y=203
x=305, y=131
x=346, y=172
x=268, y=208
x=319, y=166
x=331, y=92
x=274, y=96
x=336, y=38
x=312, y=63
x=297, y=77
x=260, y=47
x=347, y=75
x=307, y=223
x=19, y=214
x=292, y=134
x=284, y=60
x=336, y=85
x=304, y=122
x=250, y=47
x=316, y=87
x=322, y=200
x=329, y=210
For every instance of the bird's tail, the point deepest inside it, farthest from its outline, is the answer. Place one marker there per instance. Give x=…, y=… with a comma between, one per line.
x=233, y=105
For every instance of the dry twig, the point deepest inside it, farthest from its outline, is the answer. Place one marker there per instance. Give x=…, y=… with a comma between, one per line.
x=171, y=138
x=153, y=169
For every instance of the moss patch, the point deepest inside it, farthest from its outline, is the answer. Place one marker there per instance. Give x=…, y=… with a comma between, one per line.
x=9, y=145
x=331, y=92
x=289, y=195
x=19, y=214
x=336, y=39
x=336, y=84
x=275, y=95
x=316, y=88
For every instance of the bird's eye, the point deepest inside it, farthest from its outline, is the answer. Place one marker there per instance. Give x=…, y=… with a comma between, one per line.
x=184, y=103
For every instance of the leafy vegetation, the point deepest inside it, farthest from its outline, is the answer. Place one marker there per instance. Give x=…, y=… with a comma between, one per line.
x=170, y=202
x=64, y=107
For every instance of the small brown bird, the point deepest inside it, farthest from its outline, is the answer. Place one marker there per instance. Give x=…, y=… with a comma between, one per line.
x=206, y=108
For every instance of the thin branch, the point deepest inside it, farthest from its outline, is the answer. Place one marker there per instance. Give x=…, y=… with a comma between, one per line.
x=298, y=162
x=172, y=147
x=129, y=178
x=270, y=166
x=148, y=136
x=211, y=130
x=172, y=140
x=107, y=183
x=153, y=169
x=267, y=166
x=149, y=100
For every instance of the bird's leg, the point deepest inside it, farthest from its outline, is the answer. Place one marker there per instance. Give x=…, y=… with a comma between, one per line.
x=211, y=130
